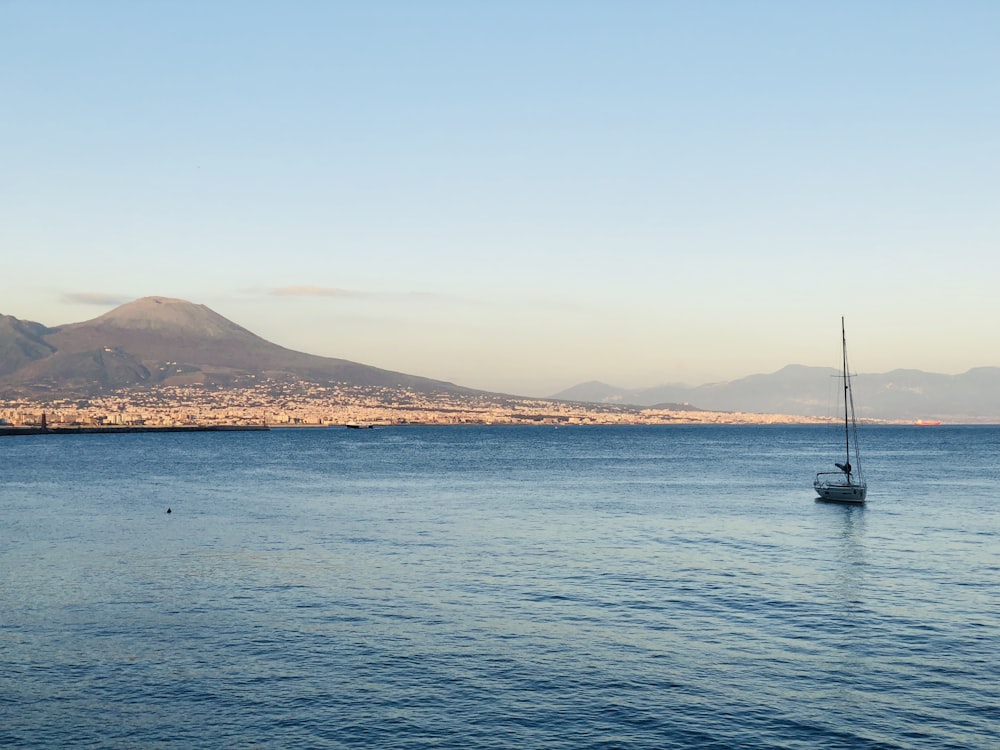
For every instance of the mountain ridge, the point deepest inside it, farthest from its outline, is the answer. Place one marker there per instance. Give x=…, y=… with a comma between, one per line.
x=163, y=340
x=166, y=341
x=900, y=394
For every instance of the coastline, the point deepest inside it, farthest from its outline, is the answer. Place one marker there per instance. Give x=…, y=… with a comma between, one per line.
x=83, y=429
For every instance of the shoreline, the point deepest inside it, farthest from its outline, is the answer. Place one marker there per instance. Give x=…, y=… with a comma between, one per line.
x=14, y=430
x=84, y=429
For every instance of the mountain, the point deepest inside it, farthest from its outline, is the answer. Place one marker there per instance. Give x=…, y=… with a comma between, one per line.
x=602, y=393
x=163, y=341
x=21, y=343
x=909, y=395
x=159, y=340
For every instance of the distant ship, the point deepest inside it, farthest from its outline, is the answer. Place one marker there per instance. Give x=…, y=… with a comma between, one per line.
x=926, y=423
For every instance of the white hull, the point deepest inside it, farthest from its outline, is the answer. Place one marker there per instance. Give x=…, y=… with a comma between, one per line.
x=841, y=493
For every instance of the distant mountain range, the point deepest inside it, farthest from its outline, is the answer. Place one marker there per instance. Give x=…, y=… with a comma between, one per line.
x=909, y=395
x=158, y=340
x=163, y=341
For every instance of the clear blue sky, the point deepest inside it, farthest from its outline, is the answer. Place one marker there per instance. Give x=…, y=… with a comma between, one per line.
x=516, y=196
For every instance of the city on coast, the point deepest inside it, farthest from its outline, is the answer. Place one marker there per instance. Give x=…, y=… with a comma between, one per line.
x=303, y=404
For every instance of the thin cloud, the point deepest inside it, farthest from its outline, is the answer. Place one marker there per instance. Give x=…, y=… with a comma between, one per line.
x=95, y=298
x=308, y=290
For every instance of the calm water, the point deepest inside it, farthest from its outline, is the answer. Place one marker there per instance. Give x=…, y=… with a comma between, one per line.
x=621, y=587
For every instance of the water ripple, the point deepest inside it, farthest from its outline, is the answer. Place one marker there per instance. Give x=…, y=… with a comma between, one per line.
x=494, y=588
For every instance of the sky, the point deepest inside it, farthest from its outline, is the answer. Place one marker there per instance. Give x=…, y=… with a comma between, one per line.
x=516, y=196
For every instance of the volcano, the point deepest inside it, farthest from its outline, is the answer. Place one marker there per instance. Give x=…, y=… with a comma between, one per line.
x=160, y=340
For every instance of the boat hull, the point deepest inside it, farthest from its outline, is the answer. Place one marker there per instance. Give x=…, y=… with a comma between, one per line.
x=842, y=493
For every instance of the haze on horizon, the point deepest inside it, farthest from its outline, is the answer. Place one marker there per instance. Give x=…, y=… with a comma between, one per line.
x=516, y=197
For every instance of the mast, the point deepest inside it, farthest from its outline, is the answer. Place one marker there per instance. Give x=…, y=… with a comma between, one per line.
x=847, y=387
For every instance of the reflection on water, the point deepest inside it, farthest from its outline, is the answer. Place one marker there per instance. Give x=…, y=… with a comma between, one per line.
x=852, y=521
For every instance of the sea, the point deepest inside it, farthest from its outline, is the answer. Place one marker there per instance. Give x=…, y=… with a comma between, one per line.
x=499, y=587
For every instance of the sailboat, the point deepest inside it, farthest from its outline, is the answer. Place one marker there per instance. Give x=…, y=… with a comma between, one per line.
x=847, y=484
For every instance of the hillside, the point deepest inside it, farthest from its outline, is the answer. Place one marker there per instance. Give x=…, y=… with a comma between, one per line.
x=970, y=397
x=159, y=340
x=163, y=341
